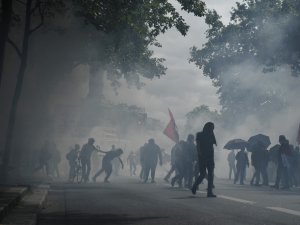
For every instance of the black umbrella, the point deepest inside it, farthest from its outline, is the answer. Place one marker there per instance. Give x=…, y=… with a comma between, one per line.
x=261, y=139
x=235, y=144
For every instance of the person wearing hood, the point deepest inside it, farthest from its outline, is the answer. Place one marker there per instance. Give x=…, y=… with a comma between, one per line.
x=205, y=148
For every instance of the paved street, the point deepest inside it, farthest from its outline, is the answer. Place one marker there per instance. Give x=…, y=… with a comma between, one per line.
x=131, y=202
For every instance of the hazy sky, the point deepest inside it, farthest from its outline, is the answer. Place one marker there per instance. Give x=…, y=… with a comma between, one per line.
x=183, y=87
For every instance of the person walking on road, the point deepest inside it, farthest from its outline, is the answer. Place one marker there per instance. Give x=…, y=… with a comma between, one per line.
x=152, y=154
x=283, y=163
x=189, y=158
x=205, y=147
x=242, y=162
x=231, y=163
x=179, y=164
x=131, y=160
x=85, y=158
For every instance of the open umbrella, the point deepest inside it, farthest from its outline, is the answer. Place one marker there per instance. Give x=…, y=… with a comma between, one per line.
x=261, y=139
x=235, y=144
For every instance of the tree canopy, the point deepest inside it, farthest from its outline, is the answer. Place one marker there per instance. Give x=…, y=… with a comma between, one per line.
x=132, y=27
x=262, y=37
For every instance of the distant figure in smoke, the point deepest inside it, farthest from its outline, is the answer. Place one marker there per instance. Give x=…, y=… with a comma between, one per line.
x=72, y=158
x=85, y=158
x=189, y=159
x=107, y=165
x=55, y=160
x=115, y=163
x=297, y=162
x=179, y=164
x=173, y=165
x=242, y=162
x=142, y=161
x=205, y=147
x=131, y=160
x=283, y=164
x=294, y=166
x=231, y=164
x=44, y=158
x=259, y=159
x=152, y=154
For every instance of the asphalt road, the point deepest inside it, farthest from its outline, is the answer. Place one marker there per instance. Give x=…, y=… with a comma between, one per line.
x=126, y=201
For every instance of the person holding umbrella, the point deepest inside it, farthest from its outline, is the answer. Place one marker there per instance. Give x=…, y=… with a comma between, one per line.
x=258, y=144
x=232, y=145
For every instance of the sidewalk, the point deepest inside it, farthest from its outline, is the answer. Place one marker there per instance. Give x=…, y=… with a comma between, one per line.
x=25, y=210
x=9, y=198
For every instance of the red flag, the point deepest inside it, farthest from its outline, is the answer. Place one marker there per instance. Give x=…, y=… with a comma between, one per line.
x=298, y=136
x=171, y=129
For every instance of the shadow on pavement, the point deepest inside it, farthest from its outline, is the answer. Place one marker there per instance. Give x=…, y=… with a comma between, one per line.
x=90, y=219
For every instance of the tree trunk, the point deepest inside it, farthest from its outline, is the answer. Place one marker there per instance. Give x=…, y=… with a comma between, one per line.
x=17, y=93
x=4, y=30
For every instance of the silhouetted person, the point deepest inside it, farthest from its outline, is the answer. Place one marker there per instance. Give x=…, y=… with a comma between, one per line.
x=72, y=158
x=131, y=160
x=205, y=147
x=241, y=162
x=152, y=154
x=106, y=163
x=55, y=160
x=173, y=166
x=294, y=166
x=179, y=164
x=297, y=162
x=85, y=158
x=231, y=164
x=189, y=158
x=283, y=164
x=44, y=158
x=257, y=162
x=142, y=161
x=264, y=166
x=115, y=163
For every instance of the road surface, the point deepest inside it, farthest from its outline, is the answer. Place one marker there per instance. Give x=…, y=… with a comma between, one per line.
x=127, y=201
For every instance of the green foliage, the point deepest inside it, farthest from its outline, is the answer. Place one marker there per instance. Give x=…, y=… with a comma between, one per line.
x=132, y=27
x=262, y=36
x=199, y=116
x=200, y=111
x=265, y=31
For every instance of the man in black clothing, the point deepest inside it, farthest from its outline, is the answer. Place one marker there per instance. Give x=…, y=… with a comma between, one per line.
x=85, y=158
x=106, y=163
x=152, y=153
x=242, y=161
x=283, y=165
x=205, y=147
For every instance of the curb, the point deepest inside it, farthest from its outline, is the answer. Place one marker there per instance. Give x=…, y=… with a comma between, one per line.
x=27, y=211
x=16, y=196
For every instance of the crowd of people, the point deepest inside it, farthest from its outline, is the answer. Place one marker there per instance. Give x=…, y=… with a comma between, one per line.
x=191, y=161
x=280, y=164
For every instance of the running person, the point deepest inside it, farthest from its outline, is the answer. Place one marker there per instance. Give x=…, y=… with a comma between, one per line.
x=106, y=163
